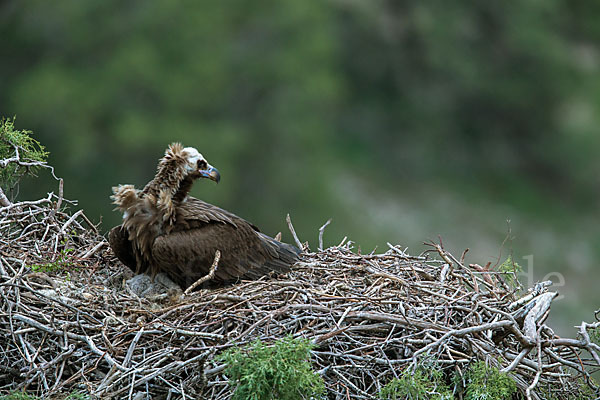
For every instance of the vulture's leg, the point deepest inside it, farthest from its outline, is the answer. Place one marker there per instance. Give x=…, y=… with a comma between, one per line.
x=121, y=246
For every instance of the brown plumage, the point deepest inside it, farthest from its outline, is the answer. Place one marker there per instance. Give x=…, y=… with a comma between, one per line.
x=166, y=230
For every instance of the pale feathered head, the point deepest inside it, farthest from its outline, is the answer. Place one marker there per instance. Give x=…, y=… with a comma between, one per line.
x=180, y=162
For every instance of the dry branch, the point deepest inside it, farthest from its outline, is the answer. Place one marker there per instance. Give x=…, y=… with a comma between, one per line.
x=207, y=277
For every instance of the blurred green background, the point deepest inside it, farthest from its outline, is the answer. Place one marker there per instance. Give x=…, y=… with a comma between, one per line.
x=401, y=120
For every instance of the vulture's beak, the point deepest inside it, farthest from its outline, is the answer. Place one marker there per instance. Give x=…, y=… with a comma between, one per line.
x=211, y=173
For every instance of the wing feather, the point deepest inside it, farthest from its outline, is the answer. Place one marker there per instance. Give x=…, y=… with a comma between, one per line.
x=187, y=255
x=121, y=246
x=193, y=211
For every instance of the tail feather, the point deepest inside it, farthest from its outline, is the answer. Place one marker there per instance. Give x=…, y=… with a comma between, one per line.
x=283, y=255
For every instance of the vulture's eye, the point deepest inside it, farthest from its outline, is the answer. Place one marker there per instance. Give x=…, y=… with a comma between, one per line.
x=202, y=164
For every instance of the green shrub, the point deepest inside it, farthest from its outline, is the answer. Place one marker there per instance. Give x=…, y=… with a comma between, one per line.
x=18, y=396
x=595, y=335
x=76, y=395
x=509, y=270
x=281, y=371
x=421, y=385
x=30, y=150
x=584, y=392
x=62, y=262
x=487, y=383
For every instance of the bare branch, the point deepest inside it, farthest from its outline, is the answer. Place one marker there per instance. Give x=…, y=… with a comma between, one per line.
x=321, y=230
x=293, y=231
x=209, y=276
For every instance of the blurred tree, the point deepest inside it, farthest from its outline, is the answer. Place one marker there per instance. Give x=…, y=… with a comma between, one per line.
x=478, y=87
x=290, y=98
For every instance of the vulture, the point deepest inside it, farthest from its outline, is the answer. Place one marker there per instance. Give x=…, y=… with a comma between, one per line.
x=165, y=230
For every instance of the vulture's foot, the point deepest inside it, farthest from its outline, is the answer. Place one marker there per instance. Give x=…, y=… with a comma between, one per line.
x=161, y=287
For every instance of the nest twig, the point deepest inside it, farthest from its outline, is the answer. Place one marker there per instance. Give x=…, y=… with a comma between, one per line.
x=68, y=322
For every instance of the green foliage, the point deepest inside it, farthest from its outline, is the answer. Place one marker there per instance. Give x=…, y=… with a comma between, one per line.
x=595, y=335
x=281, y=371
x=18, y=396
x=510, y=269
x=76, y=395
x=62, y=262
x=487, y=383
x=30, y=150
x=585, y=392
x=421, y=385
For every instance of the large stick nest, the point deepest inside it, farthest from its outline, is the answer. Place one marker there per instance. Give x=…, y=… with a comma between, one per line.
x=69, y=321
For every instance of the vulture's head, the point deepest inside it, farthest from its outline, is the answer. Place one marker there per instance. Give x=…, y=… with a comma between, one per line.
x=181, y=163
x=198, y=167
